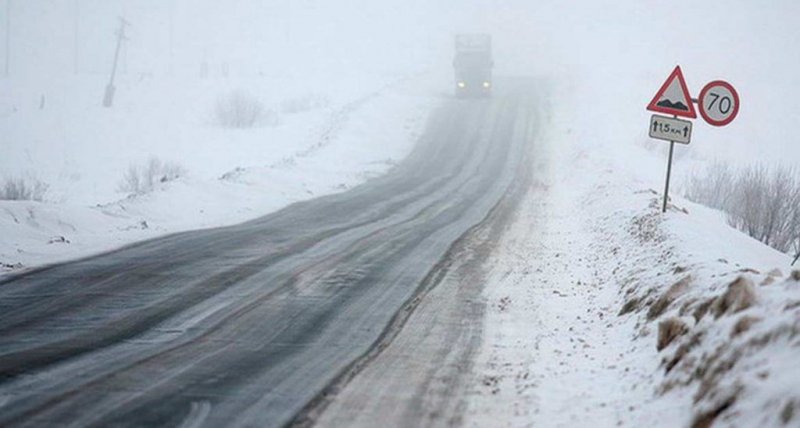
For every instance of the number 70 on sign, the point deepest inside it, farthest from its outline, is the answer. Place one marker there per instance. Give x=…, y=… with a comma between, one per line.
x=670, y=129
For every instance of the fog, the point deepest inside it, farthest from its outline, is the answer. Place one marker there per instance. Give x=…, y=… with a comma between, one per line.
x=619, y=53
x=611, y=55
x=250, y=36
x=275, y=206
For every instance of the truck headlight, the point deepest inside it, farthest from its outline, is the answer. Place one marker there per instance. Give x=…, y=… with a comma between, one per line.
x=461, y=84
x=487, y=85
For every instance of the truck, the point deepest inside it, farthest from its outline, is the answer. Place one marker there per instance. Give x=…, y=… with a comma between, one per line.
x=473, y=65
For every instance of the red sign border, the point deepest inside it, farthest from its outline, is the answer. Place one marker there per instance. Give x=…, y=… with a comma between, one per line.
x=692, y=113
x=702, y=109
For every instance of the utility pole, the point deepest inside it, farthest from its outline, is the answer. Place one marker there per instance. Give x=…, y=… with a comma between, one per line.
x=8, y=37
x=108, y=100
x=76, y=31
x=171, y=37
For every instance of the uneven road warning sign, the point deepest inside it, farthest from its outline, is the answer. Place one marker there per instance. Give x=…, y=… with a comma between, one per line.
x=719, y=103
x=669, y=129
x=673, y=97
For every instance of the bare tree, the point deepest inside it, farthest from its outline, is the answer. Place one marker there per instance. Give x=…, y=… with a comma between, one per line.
x=714, y=188
x=761, y=201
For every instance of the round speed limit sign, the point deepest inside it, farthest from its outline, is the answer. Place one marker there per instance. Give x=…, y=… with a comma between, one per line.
x=719, y=103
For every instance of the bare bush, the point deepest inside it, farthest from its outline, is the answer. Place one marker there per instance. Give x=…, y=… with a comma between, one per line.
x=761, y=201
x=304, y=103
x=714, y=188
x=23, y=189
x=239, y=110
x=141, y=179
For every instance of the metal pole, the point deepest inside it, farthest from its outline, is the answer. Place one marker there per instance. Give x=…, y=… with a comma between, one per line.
x=669, y=173
x=796, y=258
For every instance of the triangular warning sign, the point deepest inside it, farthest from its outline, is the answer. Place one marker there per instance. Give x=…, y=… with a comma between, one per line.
x=673, y=97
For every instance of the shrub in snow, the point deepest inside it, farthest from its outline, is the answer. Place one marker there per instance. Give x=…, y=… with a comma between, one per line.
x=23, y=189
x=240, y=110
x=760, y=201
x=140, y=179
x=304, y=103
x=714, y=188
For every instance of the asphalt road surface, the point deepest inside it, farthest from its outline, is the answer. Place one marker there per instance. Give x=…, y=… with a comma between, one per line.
x=252, y=325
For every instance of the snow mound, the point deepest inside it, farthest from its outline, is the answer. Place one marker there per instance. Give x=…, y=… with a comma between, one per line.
x=727, y=321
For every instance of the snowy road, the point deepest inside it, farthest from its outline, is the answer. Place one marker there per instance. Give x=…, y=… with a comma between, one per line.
x=247, y=325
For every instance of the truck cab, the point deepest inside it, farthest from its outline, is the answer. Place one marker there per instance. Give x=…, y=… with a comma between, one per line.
x=473, y=65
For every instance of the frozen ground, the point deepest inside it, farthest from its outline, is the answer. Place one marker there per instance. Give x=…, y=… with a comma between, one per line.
x=603, y=311
x=81, y=151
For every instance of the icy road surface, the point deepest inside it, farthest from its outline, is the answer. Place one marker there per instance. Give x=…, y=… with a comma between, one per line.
x=248, y=325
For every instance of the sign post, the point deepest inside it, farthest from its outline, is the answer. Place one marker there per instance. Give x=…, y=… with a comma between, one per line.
x=673, y=98
x=669, y=174
x=718, y=105
x=673, y=130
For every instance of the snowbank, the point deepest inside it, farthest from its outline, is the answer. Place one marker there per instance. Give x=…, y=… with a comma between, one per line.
x=721, y=309
x=604, y=311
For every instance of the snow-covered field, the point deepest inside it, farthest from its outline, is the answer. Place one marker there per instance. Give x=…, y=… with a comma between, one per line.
x=338, y=108
x=82, y=152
